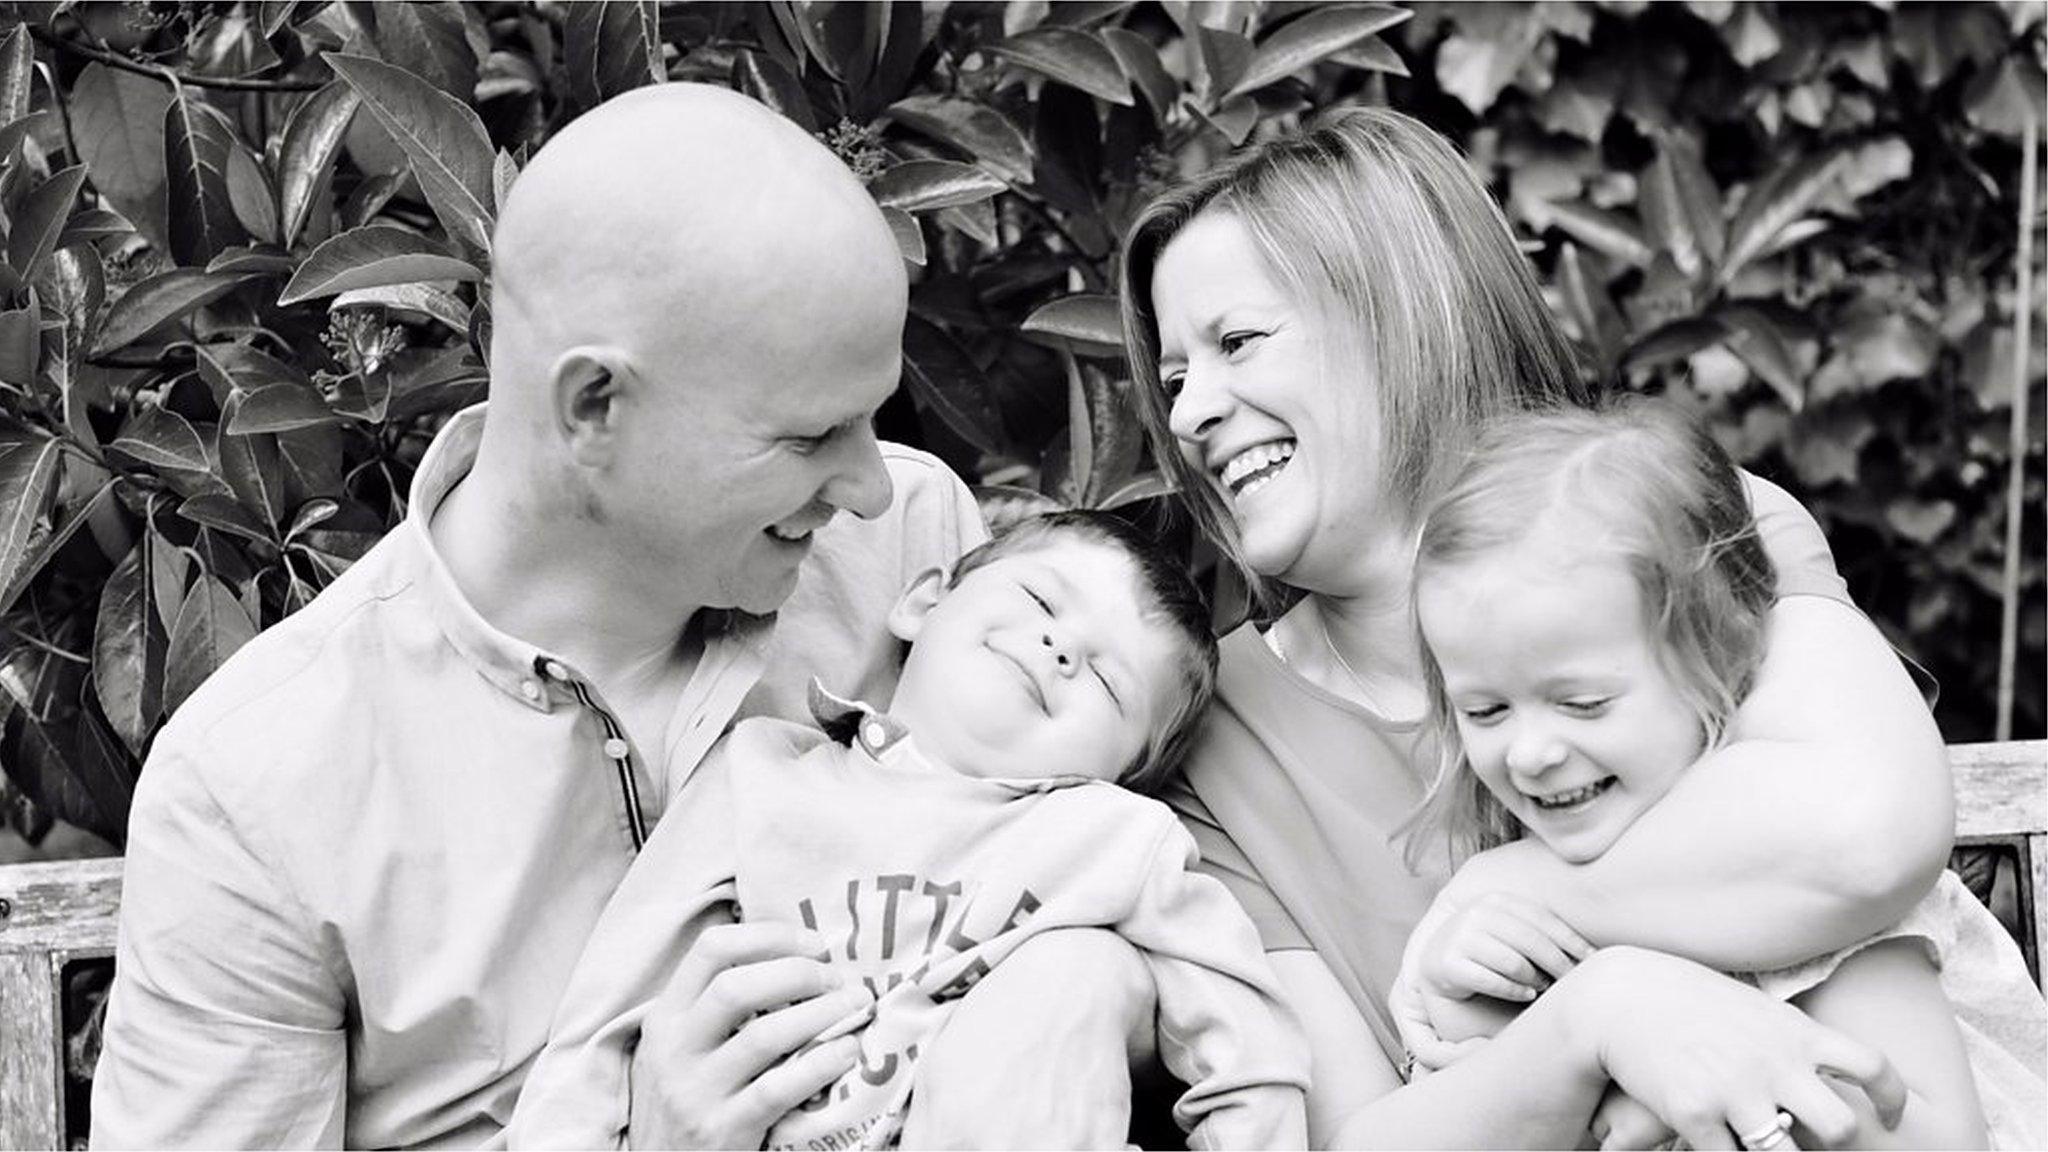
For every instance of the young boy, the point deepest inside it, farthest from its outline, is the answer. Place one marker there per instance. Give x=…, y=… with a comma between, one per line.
x=926, y=843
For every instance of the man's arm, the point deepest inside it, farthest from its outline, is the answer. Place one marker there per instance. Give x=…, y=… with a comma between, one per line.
x=225, y=1023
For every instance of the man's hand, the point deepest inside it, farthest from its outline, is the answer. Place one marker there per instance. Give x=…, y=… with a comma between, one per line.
x=722, y=1054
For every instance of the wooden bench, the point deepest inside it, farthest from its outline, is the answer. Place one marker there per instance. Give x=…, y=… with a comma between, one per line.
x=55, y=915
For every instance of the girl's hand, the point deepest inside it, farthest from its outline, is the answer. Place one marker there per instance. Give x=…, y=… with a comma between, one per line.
x=1500, y=945
x=1620, y=1122
x=1713, y=1057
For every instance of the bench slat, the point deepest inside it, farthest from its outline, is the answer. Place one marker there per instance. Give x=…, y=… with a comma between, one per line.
x=59, y=905
x=2001, y=789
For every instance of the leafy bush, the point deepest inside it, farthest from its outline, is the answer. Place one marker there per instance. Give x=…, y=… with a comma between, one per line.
x=247, y=244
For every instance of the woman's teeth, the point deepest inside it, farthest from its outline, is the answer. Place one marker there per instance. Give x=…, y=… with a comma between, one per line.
x=1255, y=466
x=1574, y=797
x=787, y=536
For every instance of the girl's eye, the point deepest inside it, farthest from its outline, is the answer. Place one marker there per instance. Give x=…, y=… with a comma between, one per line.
x=1171, y=384
x=1233, y=342
x=1104, y=680
x=1483, y=713
x=1586, y=705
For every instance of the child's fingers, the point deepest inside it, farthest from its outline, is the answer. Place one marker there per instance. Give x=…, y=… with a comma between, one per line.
x=1547, y=958
x=1469, y=975
x=1425, y=1047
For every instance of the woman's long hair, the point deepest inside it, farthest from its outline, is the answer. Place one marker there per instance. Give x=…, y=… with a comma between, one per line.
x=1376, y=225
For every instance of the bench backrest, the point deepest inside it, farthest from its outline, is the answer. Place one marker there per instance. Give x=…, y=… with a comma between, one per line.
x=52, y=915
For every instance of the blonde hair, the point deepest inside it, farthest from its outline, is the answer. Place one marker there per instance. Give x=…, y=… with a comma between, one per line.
x=1645, y=485
x=1373, y=221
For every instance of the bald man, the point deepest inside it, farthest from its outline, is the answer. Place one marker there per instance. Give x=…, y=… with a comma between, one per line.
x=366, y=853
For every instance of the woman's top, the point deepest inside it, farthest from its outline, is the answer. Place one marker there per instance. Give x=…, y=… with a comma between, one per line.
x=1294, y=793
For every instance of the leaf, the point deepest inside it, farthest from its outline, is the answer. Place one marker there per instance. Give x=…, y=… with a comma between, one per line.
x=197, y=143
x=17, y=74
x=250, y=464
x=1774, y=202
x=1478, y=61
x=1681, y=205
x=1590, y=307
x=117, y=120
x=1141, y=65
x=980, y=131
x=160, y=298
x=40, y=219
x=223, y=513
x=1086, y=324
x=255, y=260
x=1373, y=55
x=311, y=514
x=1072, y=57
x=1674, y=341
x=1225, y=56
x=28, y=476
x=274, y=15
x=373, y=257
x=211, y=625
x=2009, y=98
x=73, y=286
x=165, y=439
x=945, y=379
x=922, y=185
x=127, y=666
x=610, y=47
x=53, y=542
x=280, y=408
x=1080, y=432
x=93, y=224
x=504, y=170
x=976, y=220
x=1313, y=36
x=425, y=300
x=1234, y=120
x=1764, y=347
x=442, y=137
x=909, y=236
x=249, y=195
x=312, y=139
x=1144, y=486
x=21, y=347
x=1920, y=521
x=14, y=132
x=1608, y=233
x=428, y=40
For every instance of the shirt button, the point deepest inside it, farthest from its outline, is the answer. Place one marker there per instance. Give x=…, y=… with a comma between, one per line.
x=617, y=749
x=530, y=689
x=556, y=671
x=875, y=734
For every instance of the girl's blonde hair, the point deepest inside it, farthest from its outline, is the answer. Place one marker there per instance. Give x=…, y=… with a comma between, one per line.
x=1374, y=223
x=1635, y=480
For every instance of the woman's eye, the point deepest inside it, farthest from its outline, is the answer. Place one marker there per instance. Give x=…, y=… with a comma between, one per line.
x=1170, y=384
x=1233, y=342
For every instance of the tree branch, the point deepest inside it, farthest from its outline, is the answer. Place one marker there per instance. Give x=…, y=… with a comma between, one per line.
x=166, y=75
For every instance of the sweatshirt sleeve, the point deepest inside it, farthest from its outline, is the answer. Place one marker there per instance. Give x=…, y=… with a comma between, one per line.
x=577, y=1093
x=1223, y=1029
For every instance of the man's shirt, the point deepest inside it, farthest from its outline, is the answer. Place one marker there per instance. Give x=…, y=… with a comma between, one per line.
x=366, y=854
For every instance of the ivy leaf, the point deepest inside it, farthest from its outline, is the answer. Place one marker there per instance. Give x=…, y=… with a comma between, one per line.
x=164, y=439
x=197, y=143
x=1090, y=325
x=942, y=377
x=909, y=236
x=160, y=298
x=1608, y=233
x=763, y=77
x=28, y=475
x=117, y=121
x=1681, y=204
x=40, y=220
x=610, y=47
x=922, y=185
x=211, y=625
x=1774, y=202
x=128, y=648
x=1073, y=57
x=976, y=129
x=1311, y=37
x=442, y=137
x=373, y=257
x=426, y=300
x=312, y=139
x=17, y=74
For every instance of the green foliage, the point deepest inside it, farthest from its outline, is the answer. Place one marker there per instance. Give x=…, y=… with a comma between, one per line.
x=246, y=246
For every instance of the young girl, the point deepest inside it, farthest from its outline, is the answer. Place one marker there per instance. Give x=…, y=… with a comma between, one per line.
x=1592, y=601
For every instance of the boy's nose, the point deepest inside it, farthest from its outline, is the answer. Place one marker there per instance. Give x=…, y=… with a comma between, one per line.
x=1061, y=651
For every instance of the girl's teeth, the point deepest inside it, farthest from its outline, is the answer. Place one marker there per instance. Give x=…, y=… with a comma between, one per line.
x=1575, y=796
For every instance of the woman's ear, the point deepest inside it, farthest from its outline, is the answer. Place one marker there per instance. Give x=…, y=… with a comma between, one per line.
x=587, y=384
x=907, y=618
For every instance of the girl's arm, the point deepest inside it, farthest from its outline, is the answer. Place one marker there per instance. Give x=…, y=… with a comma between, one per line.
x=1888, y=996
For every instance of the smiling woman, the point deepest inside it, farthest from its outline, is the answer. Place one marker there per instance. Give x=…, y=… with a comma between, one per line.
x=1316, y=327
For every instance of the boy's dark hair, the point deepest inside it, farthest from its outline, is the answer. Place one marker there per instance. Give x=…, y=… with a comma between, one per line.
x=1173, y=600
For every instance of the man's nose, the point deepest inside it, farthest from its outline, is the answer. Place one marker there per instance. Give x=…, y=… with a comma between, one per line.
x=860, y=483
x=1198, y=407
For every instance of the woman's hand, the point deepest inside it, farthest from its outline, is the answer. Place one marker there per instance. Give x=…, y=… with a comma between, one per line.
x=1713, y=1057
x=731, y=1039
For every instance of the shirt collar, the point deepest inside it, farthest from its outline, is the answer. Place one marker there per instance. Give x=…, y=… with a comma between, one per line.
x=535, y=678
x=887, y=740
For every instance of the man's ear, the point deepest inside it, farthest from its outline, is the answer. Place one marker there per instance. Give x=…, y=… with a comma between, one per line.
x=588, y=383
x=907, y=618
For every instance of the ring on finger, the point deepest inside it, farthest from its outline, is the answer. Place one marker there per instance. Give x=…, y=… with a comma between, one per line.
x=1769, y=1136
